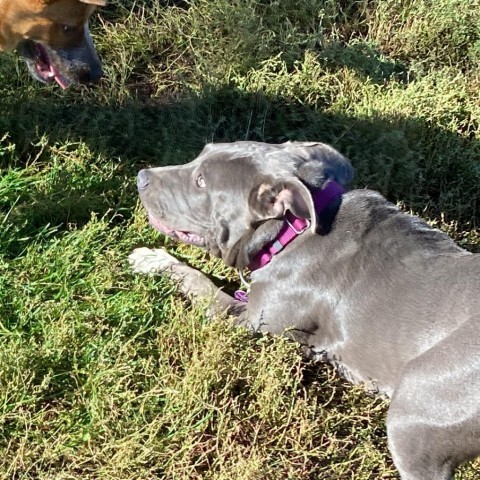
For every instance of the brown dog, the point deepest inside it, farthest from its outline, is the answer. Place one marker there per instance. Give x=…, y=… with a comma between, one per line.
x=53, y=38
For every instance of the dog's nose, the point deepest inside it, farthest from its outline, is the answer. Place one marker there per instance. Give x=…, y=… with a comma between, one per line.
x=94, y=77
x=142, y=179
x=96, y=73
x=90, y=76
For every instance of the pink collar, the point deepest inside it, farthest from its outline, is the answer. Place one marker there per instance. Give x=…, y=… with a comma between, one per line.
x=294, y=226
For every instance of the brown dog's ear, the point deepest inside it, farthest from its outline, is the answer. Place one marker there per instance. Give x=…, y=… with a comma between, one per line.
x=274, y=199
x=99, y=3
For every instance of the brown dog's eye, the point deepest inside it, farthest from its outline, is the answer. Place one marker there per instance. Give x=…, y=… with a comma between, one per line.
x=200, y=181
x=69, y=28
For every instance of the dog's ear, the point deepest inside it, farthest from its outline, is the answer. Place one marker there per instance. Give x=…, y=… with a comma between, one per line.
x=272, y=199
x=99, y=3
x=319, y=163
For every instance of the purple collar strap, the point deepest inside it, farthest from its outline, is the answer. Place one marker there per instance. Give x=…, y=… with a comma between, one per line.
x=294, y=226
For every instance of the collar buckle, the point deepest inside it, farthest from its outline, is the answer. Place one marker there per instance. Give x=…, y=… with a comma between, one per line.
x=299, y=232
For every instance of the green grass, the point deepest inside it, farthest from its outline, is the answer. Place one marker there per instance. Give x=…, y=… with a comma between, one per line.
x=105, y=375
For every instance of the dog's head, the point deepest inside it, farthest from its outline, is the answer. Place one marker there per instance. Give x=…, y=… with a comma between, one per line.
x=53, y=38
x=233, y=197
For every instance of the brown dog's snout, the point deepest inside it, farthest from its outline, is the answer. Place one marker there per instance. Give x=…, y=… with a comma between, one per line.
x=143, y=179
x=92, y=75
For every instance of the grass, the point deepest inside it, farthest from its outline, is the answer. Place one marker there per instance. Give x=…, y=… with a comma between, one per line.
x=105, y=375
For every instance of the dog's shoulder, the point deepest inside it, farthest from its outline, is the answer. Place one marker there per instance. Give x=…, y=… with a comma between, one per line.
x=380, y=220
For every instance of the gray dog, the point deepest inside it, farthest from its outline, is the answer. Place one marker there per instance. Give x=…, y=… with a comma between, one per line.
x=388, y=300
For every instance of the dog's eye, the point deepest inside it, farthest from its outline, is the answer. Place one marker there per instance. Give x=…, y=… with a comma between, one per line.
x=200, y=181
x=69, y=28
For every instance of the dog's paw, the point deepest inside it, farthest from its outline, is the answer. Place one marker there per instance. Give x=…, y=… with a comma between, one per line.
x=146, y=260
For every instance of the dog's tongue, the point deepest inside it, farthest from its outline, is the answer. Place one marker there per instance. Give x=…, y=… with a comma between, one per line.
x=59, y=78
x=46, y=69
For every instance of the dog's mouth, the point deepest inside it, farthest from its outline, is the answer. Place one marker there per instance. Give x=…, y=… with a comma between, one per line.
x=45, y=68
x=182, y=235
x=41, y=64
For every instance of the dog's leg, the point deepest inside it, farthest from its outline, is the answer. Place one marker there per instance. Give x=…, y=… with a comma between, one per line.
x=192, y=283
x=434, y=417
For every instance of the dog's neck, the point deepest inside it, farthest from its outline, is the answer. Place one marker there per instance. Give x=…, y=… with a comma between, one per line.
x=294, y=226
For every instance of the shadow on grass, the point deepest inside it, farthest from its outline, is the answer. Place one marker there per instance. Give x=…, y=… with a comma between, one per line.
x=427, y=168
